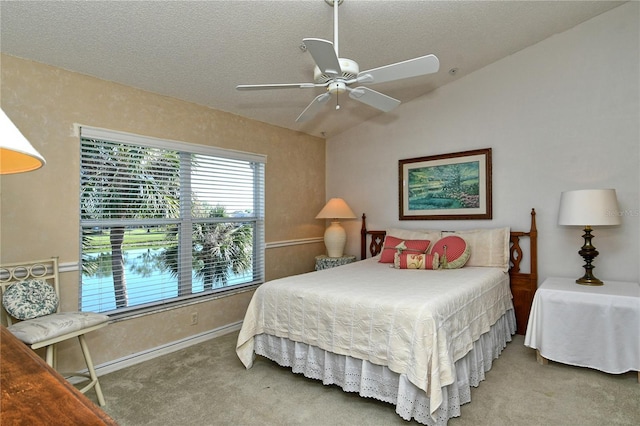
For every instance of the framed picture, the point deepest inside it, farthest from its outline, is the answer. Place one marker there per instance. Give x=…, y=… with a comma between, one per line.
x=447, y=186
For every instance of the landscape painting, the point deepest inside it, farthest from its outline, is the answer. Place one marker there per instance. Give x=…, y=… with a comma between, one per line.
x=448, y=186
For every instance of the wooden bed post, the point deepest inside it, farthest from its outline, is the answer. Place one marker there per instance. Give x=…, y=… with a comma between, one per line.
x=377, y=240
x=363, y=238
x=524, y=285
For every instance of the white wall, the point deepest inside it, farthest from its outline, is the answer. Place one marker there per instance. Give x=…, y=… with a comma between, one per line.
x=560, y=115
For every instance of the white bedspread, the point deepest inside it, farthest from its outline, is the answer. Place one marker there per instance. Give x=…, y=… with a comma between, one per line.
x=415, y=322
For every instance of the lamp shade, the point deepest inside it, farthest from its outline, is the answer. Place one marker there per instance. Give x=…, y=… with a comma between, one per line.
x=16, y=153
x=589, y=207
x=336, y=208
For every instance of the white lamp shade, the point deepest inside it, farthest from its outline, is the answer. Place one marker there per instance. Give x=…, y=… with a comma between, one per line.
x=336, y=208
x=16, y=153
x=589, y=207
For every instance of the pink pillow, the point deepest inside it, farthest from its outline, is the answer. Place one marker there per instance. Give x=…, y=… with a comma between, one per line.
x=453, y=251
x=410, y=246
x=416, y=261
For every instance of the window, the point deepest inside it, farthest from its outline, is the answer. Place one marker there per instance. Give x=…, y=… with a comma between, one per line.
x=163, y=221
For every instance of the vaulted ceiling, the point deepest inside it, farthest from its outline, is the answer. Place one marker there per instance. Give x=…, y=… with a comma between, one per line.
x=199, y=51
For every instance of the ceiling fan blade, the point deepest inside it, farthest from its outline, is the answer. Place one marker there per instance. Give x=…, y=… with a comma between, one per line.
x=374, y=99
x=410, y=68
x=279, y=86
x=312, y=109
x=324, y=55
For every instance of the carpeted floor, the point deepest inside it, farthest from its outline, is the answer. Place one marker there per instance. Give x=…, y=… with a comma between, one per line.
x=206, y=384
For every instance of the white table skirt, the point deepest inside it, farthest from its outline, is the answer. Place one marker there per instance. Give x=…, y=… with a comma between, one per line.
x=587, y=326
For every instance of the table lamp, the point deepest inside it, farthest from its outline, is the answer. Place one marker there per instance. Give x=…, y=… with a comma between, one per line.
x=589, y=207
x=335, y=236
x=16, y=153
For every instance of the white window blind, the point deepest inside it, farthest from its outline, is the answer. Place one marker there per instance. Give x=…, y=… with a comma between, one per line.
x=163, y=221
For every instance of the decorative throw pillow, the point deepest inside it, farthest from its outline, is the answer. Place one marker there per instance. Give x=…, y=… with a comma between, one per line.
x=30, y=299
x=389, y=249
x=393, y=244
x=416, y=261
x=408, y=234
x=453, y=251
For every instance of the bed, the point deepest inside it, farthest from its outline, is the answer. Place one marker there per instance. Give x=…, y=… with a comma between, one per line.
x=417, y=339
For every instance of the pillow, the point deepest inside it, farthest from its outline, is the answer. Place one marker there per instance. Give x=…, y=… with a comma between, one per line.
x=453, y=251
x=393, y=244
x=489, y=247
x=30, y=299
x=416, y=261
x=389, y=249
x=407, y=234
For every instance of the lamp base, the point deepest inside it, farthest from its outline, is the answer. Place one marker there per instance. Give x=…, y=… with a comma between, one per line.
x=588, y=253
x=335, y=238
x=589, y=281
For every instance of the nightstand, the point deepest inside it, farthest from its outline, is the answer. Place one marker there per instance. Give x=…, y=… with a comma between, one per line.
x=325, y=262
x=587, y=326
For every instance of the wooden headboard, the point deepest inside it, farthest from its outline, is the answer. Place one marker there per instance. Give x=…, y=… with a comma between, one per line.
x=523, y=285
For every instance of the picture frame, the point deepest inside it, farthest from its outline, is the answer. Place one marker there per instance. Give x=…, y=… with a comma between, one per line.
x=455, y=186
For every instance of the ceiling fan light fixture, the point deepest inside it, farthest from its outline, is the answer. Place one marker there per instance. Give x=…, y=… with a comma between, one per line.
x=337, y=87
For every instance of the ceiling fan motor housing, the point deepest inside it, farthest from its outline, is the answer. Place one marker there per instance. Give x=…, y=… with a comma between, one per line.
x=349, y=69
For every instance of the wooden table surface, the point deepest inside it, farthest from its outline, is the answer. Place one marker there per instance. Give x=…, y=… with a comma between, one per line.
x=32, y=393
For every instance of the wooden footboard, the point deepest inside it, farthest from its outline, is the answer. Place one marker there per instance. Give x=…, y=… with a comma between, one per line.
x=523, y=285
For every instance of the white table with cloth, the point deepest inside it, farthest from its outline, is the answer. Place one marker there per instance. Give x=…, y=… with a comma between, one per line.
x=588, y=326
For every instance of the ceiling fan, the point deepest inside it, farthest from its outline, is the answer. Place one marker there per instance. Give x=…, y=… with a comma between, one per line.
x=338, y=74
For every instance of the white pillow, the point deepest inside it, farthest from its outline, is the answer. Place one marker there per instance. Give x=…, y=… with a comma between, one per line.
x=489, y=247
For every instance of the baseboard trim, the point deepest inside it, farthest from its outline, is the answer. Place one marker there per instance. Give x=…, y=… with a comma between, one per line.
x=133, y=359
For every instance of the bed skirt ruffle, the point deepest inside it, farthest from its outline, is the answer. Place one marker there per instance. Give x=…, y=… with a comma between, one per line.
x=375, y=381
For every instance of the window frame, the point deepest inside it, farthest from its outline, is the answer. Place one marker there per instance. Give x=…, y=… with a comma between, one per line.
x=258, y=245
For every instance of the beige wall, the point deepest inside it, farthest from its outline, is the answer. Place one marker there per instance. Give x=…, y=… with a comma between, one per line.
x=39, y=210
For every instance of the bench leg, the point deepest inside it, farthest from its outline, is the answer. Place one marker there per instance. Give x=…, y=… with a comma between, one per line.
x=92, y=371
x=50, y=356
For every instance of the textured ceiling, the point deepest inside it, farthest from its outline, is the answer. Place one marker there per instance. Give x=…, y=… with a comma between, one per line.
x=199, y=51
